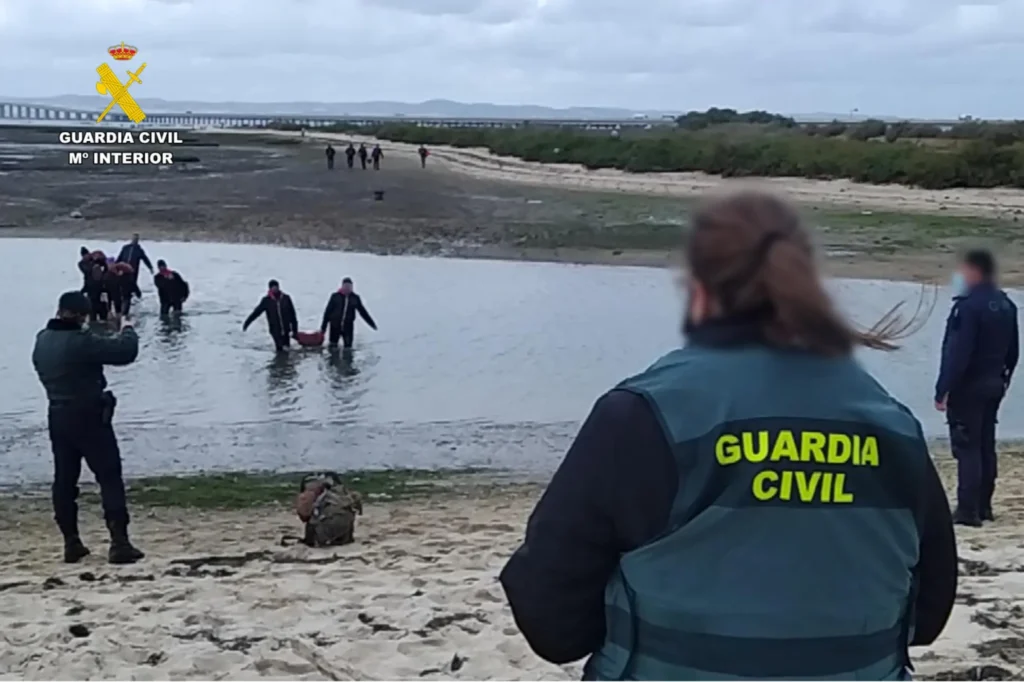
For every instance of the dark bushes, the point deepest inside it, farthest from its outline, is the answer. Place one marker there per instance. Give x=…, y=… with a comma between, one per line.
x=994, y=158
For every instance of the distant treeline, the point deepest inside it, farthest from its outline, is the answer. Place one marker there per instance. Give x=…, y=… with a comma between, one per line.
x=732, y=144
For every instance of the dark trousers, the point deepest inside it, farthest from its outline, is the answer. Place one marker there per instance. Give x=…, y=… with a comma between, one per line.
x=330, y=163
x=281, y=342
x=423, y=162
x=362, y=161
x=167, y=306
x=351, y=161
x=133, y=283
x=78, y=434
x=972, y=437
x=345, y=334
x=99, y=309
x=376, y=164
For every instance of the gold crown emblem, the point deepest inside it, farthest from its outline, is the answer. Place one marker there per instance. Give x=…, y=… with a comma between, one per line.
x=122, y=52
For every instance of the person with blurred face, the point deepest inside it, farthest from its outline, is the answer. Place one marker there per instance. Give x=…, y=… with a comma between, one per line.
x=69, y=361
x=980, y=350
x=340, y=315
x=754, y=505
x=282, y=321
x=171, y=289
x=134, y=255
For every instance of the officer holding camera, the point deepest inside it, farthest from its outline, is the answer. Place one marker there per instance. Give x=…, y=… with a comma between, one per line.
x=69, y=360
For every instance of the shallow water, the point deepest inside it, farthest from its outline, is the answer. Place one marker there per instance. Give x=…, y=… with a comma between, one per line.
x=476, y=362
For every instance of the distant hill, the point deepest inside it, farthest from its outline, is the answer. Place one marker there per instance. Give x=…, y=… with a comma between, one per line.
x=435, y=107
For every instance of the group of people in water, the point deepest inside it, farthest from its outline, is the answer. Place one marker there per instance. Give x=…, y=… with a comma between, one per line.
x=366, y=156
x=112, y=283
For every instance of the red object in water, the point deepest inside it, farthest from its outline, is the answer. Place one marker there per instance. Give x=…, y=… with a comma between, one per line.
x=310, y=339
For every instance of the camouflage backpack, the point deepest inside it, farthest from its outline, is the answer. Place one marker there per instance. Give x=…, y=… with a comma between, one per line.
x=328, y=508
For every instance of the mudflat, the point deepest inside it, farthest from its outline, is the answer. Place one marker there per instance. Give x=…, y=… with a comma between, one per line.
x=275, y=188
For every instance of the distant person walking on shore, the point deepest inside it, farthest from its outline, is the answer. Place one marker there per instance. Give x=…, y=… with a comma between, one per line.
x=282, y=322
x=377, y=155
x=350, y=156
x=424, y=153
x=340, y=315
x=329, y=153
x=363, y=155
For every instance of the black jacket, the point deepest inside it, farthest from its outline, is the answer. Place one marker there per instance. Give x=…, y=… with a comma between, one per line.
x=171, y=289
x=133, y=254
x=342, y=308
x=281, y=319
x=981, y=345
x=613, y=493
x=69, y=360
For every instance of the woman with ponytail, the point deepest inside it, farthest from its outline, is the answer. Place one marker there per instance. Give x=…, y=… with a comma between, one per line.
x=754, y=505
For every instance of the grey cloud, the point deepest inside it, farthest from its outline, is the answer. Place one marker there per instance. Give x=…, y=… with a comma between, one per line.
x=902, y=57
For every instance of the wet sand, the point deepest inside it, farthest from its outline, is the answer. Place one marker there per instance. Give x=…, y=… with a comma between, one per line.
x=276, y=189
x=415, y=597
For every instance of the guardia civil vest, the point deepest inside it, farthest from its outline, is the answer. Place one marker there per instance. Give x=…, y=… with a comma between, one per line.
x=792, y=543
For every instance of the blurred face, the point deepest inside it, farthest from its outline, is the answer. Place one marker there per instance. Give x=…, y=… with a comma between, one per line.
x=275, y=290
x=970, y=275
x=346, y=287
x=135, y=239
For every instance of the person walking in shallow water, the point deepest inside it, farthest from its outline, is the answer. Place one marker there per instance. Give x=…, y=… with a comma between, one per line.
x=282, y=322
x=377, y=155
x=329, y=153
x=424, y=153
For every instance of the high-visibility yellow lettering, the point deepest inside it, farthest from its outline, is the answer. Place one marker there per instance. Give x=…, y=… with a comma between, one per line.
x=765, y=487
x=838, y=453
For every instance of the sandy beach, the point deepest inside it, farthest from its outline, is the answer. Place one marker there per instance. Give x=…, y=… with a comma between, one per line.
x=416, y=597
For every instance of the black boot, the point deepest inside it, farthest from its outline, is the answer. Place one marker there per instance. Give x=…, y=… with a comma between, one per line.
x=74, y=550
x=121, y=549
x=963, y=517
x=987, y=515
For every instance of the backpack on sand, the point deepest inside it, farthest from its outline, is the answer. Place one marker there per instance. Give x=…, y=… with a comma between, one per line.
x=328, y=508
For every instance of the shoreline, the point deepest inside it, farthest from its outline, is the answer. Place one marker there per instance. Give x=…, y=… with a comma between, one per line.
x=930, y=270
x=415, y=596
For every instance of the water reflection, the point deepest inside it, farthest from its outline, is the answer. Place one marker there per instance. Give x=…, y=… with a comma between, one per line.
x=500, y=376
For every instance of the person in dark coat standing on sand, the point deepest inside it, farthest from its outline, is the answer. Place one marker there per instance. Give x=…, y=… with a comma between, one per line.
x=329, y=153
x=350, y=156
x=363, y=155
x=282, y=322
x=69, y=361
x=340, y=315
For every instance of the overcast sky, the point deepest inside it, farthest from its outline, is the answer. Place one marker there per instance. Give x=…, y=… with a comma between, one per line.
x=924, y=58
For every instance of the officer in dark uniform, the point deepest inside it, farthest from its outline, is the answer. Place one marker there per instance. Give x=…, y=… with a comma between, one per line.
x=329, y=153
x=69, y=361
x=979, y=353
x=753, y=505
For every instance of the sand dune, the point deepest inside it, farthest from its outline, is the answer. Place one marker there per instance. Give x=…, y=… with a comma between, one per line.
x=416, y=597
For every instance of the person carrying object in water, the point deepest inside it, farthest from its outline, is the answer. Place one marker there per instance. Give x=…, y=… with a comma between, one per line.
x=121, y=284
x=69, y=361
x=171, y=289
x=282, y=322
x=980, y=350
x=340, y=315
x=96, y=289
x=754, y=505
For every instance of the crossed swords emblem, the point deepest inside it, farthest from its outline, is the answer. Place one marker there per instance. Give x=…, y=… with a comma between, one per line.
x=109, y=84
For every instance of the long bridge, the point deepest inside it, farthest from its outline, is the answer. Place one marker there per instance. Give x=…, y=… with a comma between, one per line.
x=41, y=114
